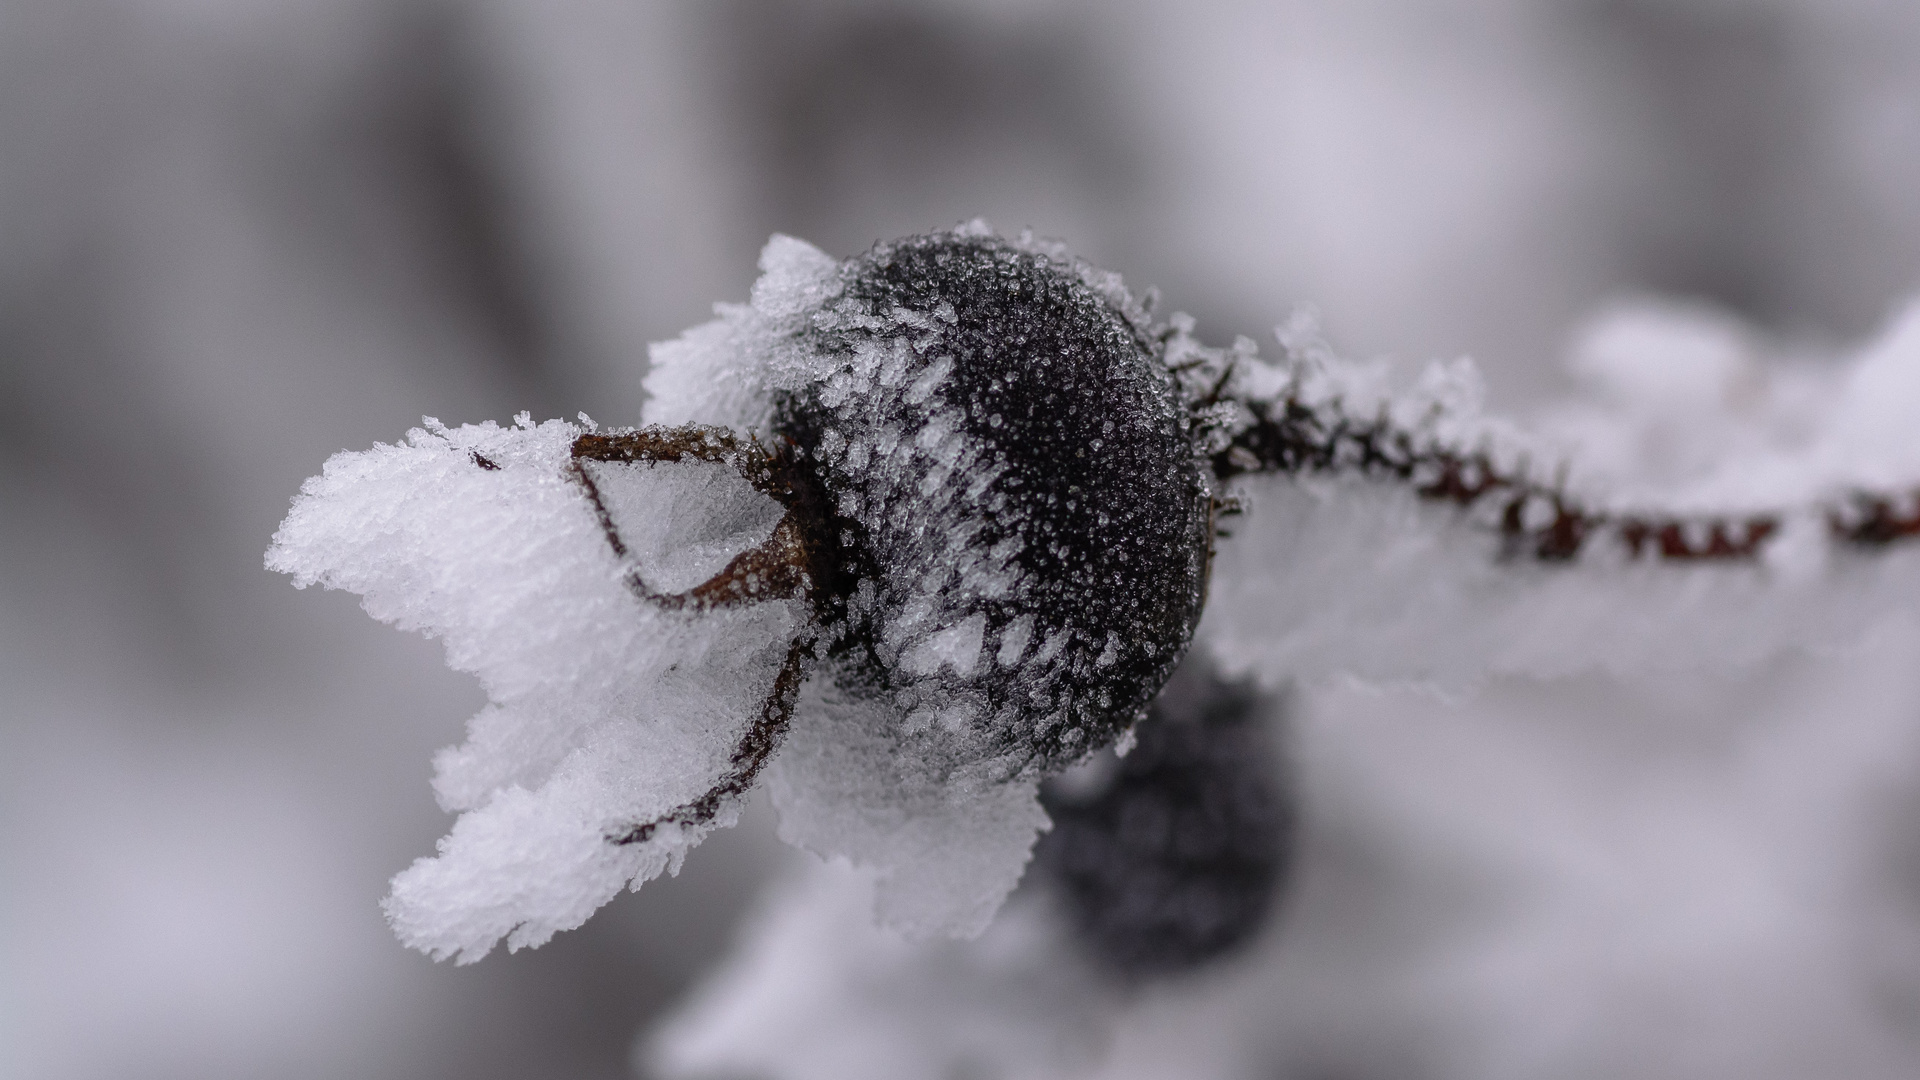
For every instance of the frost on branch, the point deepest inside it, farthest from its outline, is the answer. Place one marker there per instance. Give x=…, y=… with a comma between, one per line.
x=912, y=532
x=1402, y=536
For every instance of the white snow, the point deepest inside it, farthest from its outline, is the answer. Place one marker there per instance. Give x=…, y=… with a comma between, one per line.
x=682, y=521
x=946, y=847
x=717, y=372
x=604, y=711
x=956, y=647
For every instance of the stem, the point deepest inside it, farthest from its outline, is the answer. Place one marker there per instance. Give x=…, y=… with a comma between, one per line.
x=775, y=569
x=1536, y=520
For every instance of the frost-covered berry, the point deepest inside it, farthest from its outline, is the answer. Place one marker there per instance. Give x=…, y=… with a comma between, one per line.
x=1176, y=855
x=1021, y=516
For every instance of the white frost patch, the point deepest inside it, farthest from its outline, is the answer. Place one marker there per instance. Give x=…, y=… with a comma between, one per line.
x=956, y=647
x=717, y=372
x=934, y=377
x=682, y=522
x=603, y=711
x=946, y=849
x=1330, y=580
x=1013, y=641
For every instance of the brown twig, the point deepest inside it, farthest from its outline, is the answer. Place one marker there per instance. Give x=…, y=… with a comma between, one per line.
x=756, y=746
x=775, y=569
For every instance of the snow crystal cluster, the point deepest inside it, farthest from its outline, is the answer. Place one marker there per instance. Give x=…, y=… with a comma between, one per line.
x=603, y=710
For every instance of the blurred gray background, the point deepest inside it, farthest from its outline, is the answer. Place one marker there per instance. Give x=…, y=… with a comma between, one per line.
x=239, y=235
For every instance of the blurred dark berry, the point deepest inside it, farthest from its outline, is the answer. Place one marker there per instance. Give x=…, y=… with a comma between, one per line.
x=1174, y=855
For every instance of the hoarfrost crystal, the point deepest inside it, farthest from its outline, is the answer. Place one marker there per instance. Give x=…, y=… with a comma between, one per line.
x=602, y=709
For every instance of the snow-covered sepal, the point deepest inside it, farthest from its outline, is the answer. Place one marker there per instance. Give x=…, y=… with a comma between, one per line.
x=606, y=711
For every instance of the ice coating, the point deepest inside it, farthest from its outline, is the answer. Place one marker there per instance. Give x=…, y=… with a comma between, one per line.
x=603, y=709
x=718, y=372
x=1016, y=472
x=945, y=846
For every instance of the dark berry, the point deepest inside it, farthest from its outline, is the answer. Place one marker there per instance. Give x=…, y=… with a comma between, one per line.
x=1020, y=517
x=1174, y=857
